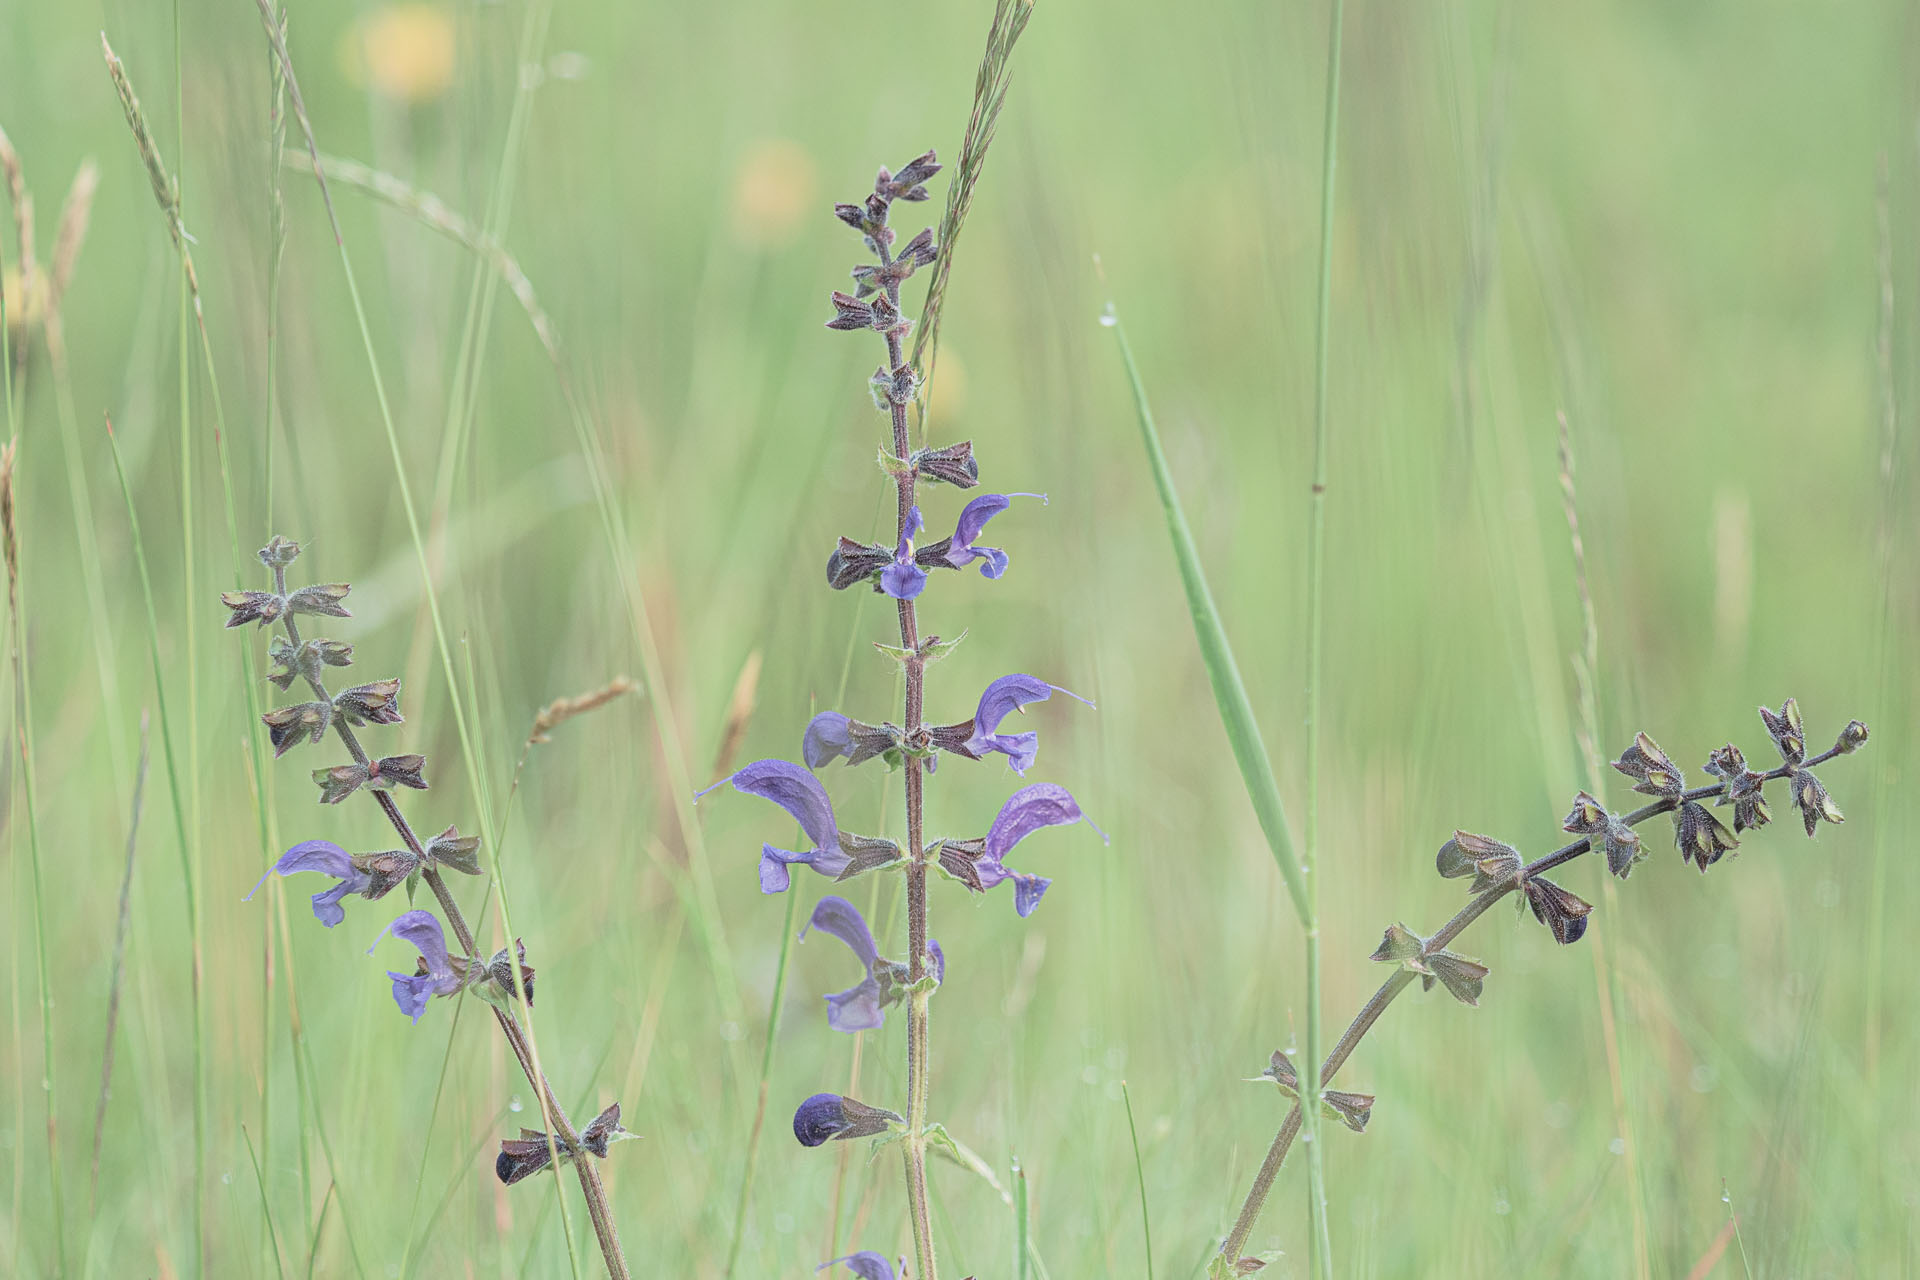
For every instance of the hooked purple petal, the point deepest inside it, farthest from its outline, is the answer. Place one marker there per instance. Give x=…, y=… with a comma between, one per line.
x=939, y=959
x=1043, y=804
x=825, y=740
x=835, y=915
x=796, y=791
x=866, y=1264
x=974, y=517
x=327, y=858
x=1007, y=695
x=421, y=930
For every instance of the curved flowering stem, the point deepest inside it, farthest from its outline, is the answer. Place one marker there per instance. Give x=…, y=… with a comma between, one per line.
x=1499, y=882
x=307, y=661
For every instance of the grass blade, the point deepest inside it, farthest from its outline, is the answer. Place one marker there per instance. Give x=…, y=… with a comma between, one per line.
x=1140, y=1172
x=119, y=964
x=1229, y=692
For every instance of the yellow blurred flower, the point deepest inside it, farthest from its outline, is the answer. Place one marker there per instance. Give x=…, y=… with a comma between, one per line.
x=772, y=192
x=404, y=51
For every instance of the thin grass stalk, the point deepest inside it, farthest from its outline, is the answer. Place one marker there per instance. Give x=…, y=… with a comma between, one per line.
x=1140, y=1175
x=23, y=734
x=13, y=840
x=1320, y=1239
x=104, y=637
x=188, y=864
x=1021, y=1223
x=1606, y=972
x=190, y=656
x=766, y=1075
x=266, y=1209
x=549, y=1105
x=122, y=925
x=1884, y=648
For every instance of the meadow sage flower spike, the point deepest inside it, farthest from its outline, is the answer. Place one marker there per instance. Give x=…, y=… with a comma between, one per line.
x=1498, y=869
x=828, y=1117
x=441, y=971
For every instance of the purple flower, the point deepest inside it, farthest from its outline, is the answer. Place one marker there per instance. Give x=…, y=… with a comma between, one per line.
x=434, y=976
x=826, y=1116
x=861, y=1007
x=831, y=735
x=979, y=864
x=978, y=736
x=327, y=858
x=800, y=794
x=866, y=1264
x=959, y=551
x=903, y=579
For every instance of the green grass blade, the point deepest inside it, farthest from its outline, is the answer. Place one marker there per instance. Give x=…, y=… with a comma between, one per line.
x=1229, y=692
x=266, y=1210
x=1140, y=1172
x=187, y=861
x=1319, y=1240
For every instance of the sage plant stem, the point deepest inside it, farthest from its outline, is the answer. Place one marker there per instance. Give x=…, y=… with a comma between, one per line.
x=564, y=1135
x=914, y=1151
x=1376, y=1005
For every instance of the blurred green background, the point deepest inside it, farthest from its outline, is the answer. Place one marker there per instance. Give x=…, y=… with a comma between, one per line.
x=1667, y=221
